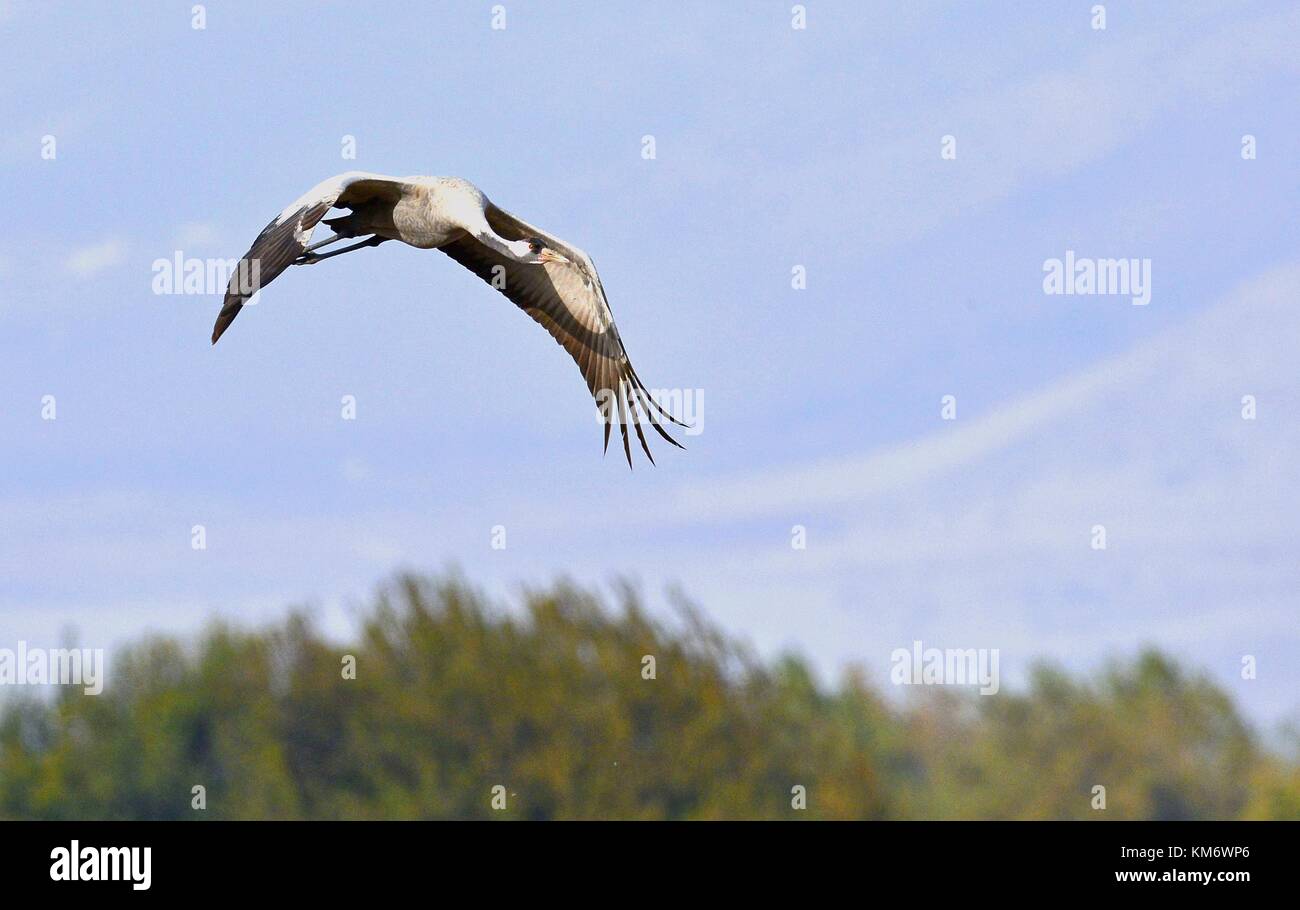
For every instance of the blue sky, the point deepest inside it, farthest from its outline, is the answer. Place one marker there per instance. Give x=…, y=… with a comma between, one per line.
x=775, y=147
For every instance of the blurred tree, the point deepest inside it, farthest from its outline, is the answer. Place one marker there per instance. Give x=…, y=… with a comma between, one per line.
x=582, y=712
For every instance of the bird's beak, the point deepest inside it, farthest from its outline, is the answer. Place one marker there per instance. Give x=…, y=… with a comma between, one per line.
x=549, y=255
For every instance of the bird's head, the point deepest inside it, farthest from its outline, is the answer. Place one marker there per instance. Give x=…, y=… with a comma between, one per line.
x=534, y=251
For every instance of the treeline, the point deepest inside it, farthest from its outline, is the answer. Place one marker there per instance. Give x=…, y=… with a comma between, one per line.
x=551, y=706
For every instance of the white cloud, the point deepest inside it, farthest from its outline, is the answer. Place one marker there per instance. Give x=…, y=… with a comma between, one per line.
x=356, y=471
x=87, y=261
x=197, y=233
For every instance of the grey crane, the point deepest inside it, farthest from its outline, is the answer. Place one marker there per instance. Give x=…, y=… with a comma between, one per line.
x=553, y=282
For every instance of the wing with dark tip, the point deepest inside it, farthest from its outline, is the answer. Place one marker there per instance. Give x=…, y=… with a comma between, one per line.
x=284, y=239
x=569, y=302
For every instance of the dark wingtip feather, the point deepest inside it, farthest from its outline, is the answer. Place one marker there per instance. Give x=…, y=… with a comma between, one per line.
x=655, y=424
x=636, y=425
x=664, y=435
x=641, y=386
x=622, y=427
x=627, y=448
x=669, y=439
x=229, y=310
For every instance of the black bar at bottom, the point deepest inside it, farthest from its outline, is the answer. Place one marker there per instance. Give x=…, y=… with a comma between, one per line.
x=335, y=859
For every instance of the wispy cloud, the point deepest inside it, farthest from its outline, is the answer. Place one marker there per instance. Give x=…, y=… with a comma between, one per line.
x=1049, y=125
x=854, y=479
x=91, y=260
x=197, y=233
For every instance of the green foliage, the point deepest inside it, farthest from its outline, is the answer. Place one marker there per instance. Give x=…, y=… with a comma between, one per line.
x=452, y=698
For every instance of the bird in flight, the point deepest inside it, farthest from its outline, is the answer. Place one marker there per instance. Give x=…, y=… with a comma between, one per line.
x=553, y=282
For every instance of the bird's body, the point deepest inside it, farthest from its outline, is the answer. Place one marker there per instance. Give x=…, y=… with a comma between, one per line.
x=430, y=211
x=424, y=212
x=554, y=282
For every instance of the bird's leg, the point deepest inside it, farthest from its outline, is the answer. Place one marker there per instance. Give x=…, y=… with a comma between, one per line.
x=310, y=258
x=326, y=242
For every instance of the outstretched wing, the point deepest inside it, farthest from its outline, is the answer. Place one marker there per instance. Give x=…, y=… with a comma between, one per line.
x=569, y=302
x=284, y=239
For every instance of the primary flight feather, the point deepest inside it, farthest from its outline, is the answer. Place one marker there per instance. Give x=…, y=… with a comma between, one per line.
x=553, y=282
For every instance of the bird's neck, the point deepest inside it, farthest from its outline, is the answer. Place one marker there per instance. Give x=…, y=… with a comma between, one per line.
x=490, y=238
